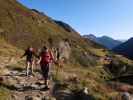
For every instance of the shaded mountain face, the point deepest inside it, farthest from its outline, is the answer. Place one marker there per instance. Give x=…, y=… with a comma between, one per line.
x=125, y=49
x=109, y=42
x=67, y=27
x=104, y=40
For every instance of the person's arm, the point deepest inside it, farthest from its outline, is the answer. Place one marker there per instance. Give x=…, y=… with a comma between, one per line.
x=51, y=56
x=34, y=53
x=39, y=60
x=24, y=54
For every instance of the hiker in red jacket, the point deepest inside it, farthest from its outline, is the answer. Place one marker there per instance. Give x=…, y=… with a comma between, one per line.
x=46, y=57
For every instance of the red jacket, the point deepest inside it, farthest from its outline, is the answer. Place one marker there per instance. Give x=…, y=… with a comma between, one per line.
x=46, y=57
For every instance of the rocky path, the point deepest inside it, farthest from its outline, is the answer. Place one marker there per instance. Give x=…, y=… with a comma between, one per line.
x=22, y=87
x=26, y=88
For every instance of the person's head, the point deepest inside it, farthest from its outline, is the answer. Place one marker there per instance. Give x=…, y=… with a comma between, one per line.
x=57, y=49
x=50, y=40
x=66, y=40
x=45, y=48
x=30, y=48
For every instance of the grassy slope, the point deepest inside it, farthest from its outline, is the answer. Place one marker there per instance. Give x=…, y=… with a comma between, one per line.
x=7, y=51
x=89, y=77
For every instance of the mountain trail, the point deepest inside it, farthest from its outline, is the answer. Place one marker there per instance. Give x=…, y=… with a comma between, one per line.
x=24, y=87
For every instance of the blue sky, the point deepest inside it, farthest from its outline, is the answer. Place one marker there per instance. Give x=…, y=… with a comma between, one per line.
x=113, y=18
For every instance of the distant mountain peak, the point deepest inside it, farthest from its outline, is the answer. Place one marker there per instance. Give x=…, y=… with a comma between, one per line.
x=104, y=36
x=106, y=41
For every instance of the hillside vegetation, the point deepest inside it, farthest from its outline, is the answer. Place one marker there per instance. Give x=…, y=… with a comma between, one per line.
x=23, y=27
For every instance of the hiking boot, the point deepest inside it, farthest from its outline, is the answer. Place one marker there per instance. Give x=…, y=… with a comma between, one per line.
x=27, y=74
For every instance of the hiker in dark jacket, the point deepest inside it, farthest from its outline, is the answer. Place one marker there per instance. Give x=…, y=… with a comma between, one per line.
x=29, y=54
x=45, y=58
